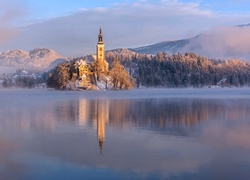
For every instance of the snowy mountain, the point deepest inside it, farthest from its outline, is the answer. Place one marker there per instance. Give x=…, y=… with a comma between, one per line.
x=165, y=46
x=40, y=58
x=232, y=42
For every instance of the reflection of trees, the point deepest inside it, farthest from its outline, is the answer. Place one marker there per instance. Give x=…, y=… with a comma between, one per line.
x=119, y=113
x=157, y=113
x=42, y=117
x=165, y=113
x=160, y=114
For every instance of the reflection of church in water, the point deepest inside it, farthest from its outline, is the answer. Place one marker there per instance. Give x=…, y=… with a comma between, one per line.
x=97, y=113
x=160, y=116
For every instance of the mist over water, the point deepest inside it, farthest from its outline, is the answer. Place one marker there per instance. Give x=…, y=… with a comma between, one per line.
x=146, y=133
x=7, y=70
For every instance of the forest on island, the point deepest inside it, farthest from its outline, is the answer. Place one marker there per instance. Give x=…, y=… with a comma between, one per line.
x=67, y=73
x=183, y=70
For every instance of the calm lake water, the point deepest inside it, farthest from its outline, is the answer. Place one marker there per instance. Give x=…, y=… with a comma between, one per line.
x=139, y=134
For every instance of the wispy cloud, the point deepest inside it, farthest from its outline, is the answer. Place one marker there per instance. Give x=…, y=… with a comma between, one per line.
x=10, y=10
x=223, y=43
x=124, y=25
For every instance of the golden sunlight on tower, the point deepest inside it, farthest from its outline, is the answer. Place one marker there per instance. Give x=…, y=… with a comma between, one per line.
x=101, y=65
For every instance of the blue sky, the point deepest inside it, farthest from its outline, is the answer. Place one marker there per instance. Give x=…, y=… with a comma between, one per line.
x=70, y=26
x=47, y=8
x=50, y=8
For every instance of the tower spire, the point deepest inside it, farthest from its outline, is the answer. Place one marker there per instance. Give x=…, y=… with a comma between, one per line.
x=100, y=29
x=100, y=36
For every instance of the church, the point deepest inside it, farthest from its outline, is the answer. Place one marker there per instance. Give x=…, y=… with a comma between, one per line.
x=93, y=67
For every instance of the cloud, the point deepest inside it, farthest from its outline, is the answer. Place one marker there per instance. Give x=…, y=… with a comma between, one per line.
x=10, y=10
x=230, y=42
x=124, y=25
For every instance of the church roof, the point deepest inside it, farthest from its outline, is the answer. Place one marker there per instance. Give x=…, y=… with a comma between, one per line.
x=90, y=59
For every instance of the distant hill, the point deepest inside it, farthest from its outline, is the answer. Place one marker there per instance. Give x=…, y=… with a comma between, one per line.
x=232, y=42
x=165, y=46
x=40, y=58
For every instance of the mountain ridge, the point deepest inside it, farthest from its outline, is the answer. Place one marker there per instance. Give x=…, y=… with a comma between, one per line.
x=222, y=43
x=38, y=58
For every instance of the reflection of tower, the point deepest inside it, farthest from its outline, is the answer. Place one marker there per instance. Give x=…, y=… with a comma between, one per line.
x=102, y=116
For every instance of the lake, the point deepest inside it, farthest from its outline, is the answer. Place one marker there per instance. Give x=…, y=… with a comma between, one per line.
x=139, y=134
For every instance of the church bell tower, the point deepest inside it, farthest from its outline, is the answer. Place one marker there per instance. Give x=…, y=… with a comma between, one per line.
x=102, y=65
x=100, y=48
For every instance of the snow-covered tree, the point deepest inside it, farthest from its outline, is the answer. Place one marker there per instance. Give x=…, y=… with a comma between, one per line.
x=119, y=76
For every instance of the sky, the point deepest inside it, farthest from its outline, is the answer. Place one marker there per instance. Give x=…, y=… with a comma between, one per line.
x=71, y=27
